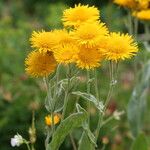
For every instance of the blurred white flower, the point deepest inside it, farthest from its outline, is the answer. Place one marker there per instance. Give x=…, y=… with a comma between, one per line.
x=117, y=114
x=17, y=140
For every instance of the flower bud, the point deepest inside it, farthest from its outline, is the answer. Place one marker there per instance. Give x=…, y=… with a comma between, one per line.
x=48, y=119
x=105, y=140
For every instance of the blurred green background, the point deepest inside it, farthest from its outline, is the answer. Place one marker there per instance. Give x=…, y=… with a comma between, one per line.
x=19, y=94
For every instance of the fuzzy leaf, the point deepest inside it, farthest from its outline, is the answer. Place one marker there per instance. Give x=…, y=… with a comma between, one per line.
x=90, y=135
x=84, y=143
x=48, y=104
x=137, y=104
x=87, y=131
x=99, y=105
x=73, y=121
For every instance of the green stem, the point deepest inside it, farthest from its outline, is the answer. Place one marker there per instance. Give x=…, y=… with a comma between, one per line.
x=135, y=28
x=111, y=86
x=49, y=96
x=103, y=148
x=100, y=121
x=32, y=147
x=98, y=126
x=88, y=92
x=88, y=81
x=47, y=138
x=27, y=144
x=147, y=45
x=107, y=120
x=56, y=85
x=33, y=128
x=147, y=30
x=73, y=142
x=98, y=98
x=53, y=125
x=136, y=37
x=96, y=85
x=130, y=25
x=67, y=92
x=108, y=97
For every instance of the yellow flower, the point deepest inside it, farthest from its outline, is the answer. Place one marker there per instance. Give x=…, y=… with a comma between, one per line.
x=48, y=119
x=126, y=3
x=79, y=14
x=90, y=34
x=119, y=47
x=65, y=53
x=43, y=41
x=88, y=58
x=63, y=37
x=143, y=14
x=39, y=64
x=143, y=4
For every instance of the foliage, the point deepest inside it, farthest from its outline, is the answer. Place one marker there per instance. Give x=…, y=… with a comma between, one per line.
x=140, y=143
x=20, y=95
x=138, y=102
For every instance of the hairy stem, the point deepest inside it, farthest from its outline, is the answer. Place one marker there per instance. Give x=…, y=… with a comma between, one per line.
x=111, y=86
x=67, y=91
x=56, y=85
x=49, y=96
x=135, y=28
x=73, y=142
x=47, y=138
x=33, y=128
x=88, y=92
x=130, y=23
x=32, y=147
x=103, y=148
x=28, y=146
x=98, y=98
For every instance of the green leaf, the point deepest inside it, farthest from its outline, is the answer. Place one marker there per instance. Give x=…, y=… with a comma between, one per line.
x=73, y=121
x=84, y=143
x=137, y=104
x=99, y=105
x=63, y=83
x=90, y=135
x=140, y=143
x=48, y=104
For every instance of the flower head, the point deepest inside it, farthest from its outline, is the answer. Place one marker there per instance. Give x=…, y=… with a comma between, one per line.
x=66, y=53
x=63, y=37
x=43, y=41
x=126, y=3
x=88, y=58
x=80, y=14
x=90, y=34
x=119, y=47
x=48, y=119
x=39, y=64
x=143, y=15
x=143, y=4
x=17, y=140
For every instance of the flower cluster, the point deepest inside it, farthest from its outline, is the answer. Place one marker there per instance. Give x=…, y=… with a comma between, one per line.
x=84, y=41
x=140, y=8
